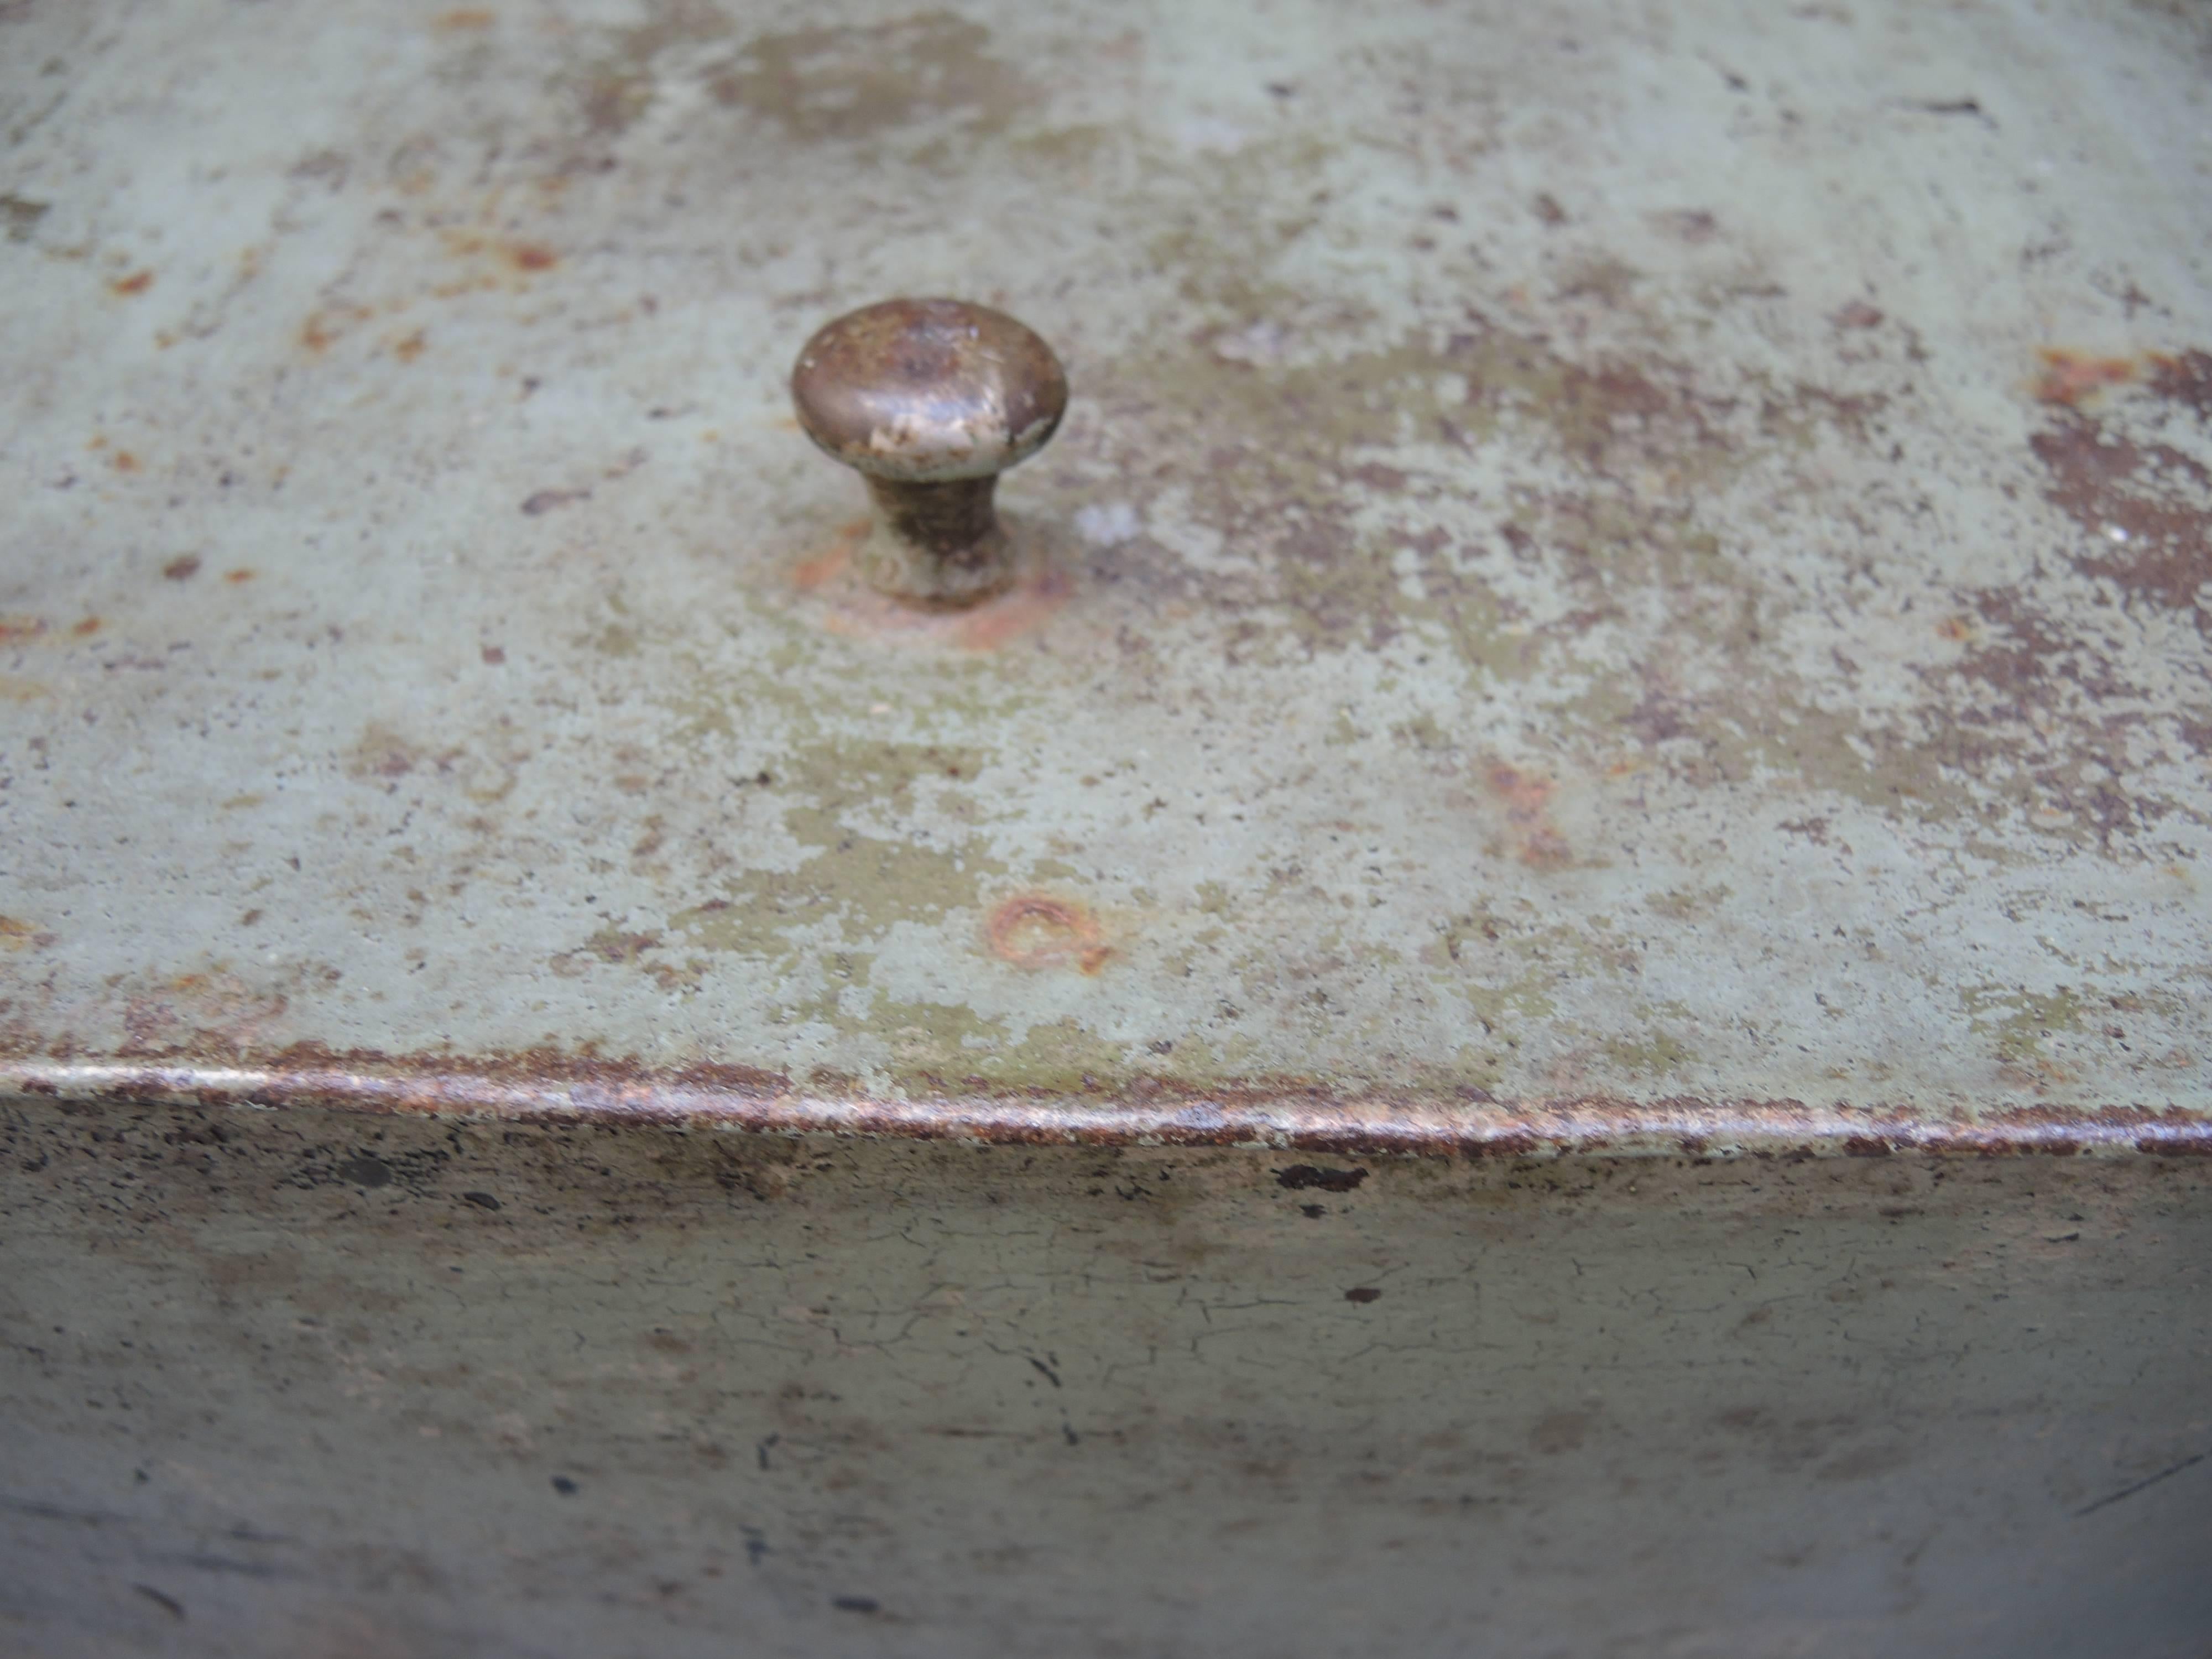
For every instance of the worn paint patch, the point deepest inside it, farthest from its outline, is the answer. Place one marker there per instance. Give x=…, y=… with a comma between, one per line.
x=826, y=84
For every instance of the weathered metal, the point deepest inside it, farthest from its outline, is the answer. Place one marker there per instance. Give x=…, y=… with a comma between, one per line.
x=931, y=400
x=308, y=1383
x=1621, y=610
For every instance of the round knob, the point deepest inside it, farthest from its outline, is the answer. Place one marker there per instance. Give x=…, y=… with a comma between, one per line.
x=930, y=400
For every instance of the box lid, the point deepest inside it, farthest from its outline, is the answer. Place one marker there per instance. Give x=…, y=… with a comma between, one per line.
x=1609, y=579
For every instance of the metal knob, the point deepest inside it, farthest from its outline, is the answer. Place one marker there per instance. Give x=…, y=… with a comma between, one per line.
x=930, y=400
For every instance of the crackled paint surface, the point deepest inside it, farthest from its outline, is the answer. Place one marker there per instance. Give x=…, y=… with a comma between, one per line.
x=1600, y=554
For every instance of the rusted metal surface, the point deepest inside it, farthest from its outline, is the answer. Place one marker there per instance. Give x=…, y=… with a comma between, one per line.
x=1598, y=556
x=1602, y=721
x=549, y=1086
x=348, y=1387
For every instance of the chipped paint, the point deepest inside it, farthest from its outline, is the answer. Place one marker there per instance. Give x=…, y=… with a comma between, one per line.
x=1562, y=919
x=1501, y=631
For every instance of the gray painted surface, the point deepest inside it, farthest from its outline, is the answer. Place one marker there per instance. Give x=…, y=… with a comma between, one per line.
x=1053, y=1401
x=1622, y=589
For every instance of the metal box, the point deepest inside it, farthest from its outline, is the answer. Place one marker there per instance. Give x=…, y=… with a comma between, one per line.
x=1543, y=992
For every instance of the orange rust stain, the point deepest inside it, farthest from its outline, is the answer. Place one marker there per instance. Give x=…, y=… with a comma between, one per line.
x=1527, y=802
x=525, y=256
x=859, y=613
x=812, y=571
x=88, y=627
x=125, y=461
x=15, y=628
x=1034, y=930
x=1021, y=610
x=462, y=19
x=240, y=574
x=325, y=326
x=2067, y=377
x=1955, y=627
x=182, y=569
x=409, y=349
x=16, y=935
x=137, y=283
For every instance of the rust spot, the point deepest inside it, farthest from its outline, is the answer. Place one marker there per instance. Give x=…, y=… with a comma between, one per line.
x=1020, y=610
x=493, y=655
x=16, y=935
x=462, y=19
x=1033, y=930
x=327, y=323
x=2067, y=377
x=859, y=611
x=137, y=283
x=1527, y=797
x=382, y=753
x=408, y=349
x=521, y=256
x=612, y=945
x=86, y=629
x=125, y=461
x=182, y=569
x=2185, y=378
x=1857, y=314
x=817, y=569
x=2143, y=503
x=16, y=630
x=209, y=1063
x=240, y=574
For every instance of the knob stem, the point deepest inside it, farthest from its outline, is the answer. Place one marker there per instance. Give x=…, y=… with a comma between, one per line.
x=936, y=542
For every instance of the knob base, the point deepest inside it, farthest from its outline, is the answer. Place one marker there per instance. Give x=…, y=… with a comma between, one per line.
x=936, y=544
